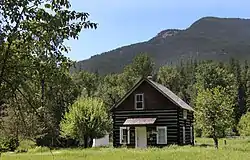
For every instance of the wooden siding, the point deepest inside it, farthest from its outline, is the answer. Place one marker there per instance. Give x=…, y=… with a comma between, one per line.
x=155, y=106
x=164, y=118
x=153, y=99
x=187, y=123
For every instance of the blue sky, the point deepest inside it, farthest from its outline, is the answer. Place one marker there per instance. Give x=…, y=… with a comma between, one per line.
x=123, y=22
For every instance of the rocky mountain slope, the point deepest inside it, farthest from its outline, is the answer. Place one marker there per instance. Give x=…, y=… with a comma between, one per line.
x=208, y=38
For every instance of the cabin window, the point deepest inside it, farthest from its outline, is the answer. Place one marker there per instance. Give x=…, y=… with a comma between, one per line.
x=184, y=135
x=162, y=135
x=139, y=101
x=124, y=135
x=191, y=134
x=185, y=114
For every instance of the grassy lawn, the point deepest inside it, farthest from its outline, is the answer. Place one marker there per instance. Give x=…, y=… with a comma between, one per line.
x=236, y=149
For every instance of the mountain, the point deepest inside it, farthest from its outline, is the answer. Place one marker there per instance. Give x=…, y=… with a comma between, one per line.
x=208, y=38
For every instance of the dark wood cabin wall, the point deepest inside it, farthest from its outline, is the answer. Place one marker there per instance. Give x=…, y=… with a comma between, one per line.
x=155, y=106
x=167, y=117
x=153, y=99
x=187, y=123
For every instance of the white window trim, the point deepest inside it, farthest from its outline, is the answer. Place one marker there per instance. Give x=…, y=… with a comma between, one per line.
x=121, y=135
x=140, y=94
x=184, y=134
x=191, y=134
x=166, y=134
x=185, y=114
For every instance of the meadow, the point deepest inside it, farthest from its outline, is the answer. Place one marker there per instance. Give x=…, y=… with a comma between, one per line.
x=234, y=149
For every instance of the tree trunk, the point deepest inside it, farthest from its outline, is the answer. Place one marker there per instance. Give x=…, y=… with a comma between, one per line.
x=216, y=144
x=91, y=142
x=86, y=141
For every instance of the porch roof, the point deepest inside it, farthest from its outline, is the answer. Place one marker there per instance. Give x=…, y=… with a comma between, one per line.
x=139, y=121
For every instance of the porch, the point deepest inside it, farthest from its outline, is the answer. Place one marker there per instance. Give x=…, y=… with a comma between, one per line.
x=142, y=132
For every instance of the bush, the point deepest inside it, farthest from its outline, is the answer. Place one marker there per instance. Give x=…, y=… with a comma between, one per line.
x=197, y=132
x=8, y=144
x=25, y=145
x=56, y=142
x=244, y=125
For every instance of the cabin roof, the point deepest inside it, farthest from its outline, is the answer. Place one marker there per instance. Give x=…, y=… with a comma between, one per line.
x=139, y=121
x=162, y=89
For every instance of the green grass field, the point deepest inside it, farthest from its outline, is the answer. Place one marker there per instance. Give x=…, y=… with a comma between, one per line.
x=235, y=149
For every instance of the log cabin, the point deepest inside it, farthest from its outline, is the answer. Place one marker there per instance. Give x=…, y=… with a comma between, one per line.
x=151, y=115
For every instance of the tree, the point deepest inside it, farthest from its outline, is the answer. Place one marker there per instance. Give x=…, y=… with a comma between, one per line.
x=87, y=119
x=211, y=77
x=244, y=125
x=214, y=109
x=87, y=82
x=33, y=67
x=169, y=77
x=32, y=35
x=239, y=108
x=141, y=67
x=247, y=91
x=111, y=89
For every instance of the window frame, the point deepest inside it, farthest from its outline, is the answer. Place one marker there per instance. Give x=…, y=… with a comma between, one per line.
x=166, y=134
x=142, y=101
x=185, y=113
x=191, y=134
x=128, y=135
x=184, y=135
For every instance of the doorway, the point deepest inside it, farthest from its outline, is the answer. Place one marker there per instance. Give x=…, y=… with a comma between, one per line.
x=140, y=137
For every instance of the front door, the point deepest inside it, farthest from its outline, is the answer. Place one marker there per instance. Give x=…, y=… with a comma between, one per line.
x=140, y=137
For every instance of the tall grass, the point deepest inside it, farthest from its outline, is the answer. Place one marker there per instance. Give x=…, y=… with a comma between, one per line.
x=235, y=149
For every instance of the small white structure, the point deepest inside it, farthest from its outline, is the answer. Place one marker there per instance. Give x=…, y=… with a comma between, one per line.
x=101, y=142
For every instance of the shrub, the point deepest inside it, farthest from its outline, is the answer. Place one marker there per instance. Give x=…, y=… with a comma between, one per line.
x=25, y=145
x=244, y=125
x=8, y=144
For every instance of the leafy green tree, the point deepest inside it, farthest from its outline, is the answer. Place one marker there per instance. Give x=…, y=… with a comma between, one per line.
x=244, y=125
x=214, y=112
x=239, y=108
x=212, y=76
x=247, y=91
x=141, y=66
x=32, y=36
x=87, y=82
x=87, y=119
x=111, y=89
x=169, y=77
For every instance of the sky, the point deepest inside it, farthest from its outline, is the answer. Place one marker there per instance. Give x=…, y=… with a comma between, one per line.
x=124, y=22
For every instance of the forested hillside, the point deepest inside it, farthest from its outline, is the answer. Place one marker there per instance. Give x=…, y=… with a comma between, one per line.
x=208, y=38
x=43, y=104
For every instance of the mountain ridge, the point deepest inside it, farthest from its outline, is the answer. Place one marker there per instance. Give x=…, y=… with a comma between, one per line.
x=207, y=38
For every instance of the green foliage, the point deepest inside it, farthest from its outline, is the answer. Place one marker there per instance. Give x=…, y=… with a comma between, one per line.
x=25, y=146
x=35, y=85
x=86, y=82
x=8, y=143
x=247, y=84
x=169, y=77
x=111, y=89
x=211, y=75
x=244, y=125
x=141, y=66
x=214, y=109
x=87, y=118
